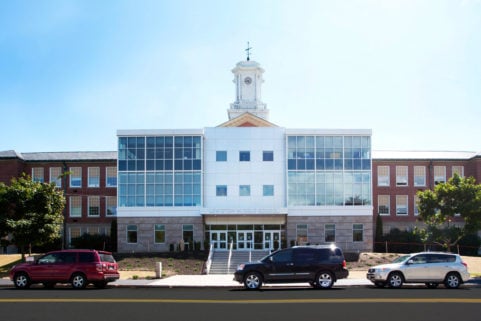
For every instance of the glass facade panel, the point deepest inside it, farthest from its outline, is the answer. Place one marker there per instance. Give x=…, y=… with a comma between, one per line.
x=329, y=170
x=156, y=171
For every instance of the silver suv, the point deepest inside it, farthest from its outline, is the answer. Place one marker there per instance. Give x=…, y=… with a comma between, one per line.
x=430, y=268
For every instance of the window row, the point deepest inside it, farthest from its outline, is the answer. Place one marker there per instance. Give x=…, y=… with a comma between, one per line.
x=158, y=189
x=329, y=152
x=93, y=206
x=302, y=233
x=336, y=188
x=419, y=174
x=74, y=175
x=159, y=234
x=401, y=205
x=244, y=190
x=244, y=156
x=160, y=153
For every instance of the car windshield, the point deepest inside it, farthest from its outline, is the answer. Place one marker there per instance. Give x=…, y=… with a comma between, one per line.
x=401, y=259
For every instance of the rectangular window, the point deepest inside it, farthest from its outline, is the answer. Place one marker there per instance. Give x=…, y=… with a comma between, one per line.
x=111, y=177
x=159, y=233
x=37, y=174
x=188, y=236
x=383, y=176
x=131, y=233
x=419, y=175
x=75, y=206
x=244, y=190
x=401, y=176
x=267, y=190
x=357, y=232
x=401, y=205
x=301, y=230
x=75, y=176
x=267, y=156
x=75, y=232
x=416, y=203
x=221, y=156
x=383, y=204
x=244, y=156
x=330, y=233
x=221, y=190
x=94, y=177
x=56, y=176
x=458, y=170
x=111, y=205
x=94, y=205
x=439, y=174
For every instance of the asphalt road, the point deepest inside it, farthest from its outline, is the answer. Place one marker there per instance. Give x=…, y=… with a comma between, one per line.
x=212, y=304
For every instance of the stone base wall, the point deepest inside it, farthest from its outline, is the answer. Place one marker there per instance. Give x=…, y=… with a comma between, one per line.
x=344, y=230
x=146, y=233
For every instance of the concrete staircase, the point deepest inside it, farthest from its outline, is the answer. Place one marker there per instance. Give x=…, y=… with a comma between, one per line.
x=220, y=260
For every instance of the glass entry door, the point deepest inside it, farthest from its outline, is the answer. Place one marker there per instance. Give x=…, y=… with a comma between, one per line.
x=245, y=240
x=272, y=240
x=219, y=240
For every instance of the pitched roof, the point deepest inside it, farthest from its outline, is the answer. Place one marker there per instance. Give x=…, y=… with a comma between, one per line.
x=247, y=120
x=61, y=156
x=418, y=155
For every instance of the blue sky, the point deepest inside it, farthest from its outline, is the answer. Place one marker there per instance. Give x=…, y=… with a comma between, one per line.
x=73, y=72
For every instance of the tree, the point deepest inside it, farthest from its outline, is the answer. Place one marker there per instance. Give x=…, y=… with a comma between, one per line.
x=438, y=208
x=31, y=212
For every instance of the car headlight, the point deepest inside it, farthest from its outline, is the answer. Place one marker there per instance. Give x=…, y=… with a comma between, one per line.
x=240, y=267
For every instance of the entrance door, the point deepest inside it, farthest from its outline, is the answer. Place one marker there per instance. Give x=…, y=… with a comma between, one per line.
x=219, y=240
x=244, y=240
x=272, y=240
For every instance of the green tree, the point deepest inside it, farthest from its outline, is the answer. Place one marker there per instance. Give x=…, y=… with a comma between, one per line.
x=438, y=208
x=31, y=212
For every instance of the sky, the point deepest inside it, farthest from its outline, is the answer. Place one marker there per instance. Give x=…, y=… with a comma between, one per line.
x=72, y=73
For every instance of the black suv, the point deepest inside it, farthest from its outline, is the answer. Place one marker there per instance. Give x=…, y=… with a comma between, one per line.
x=321, y=266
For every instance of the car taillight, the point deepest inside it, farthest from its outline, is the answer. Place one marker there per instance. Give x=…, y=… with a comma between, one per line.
x=465, y=264
x=344, y=264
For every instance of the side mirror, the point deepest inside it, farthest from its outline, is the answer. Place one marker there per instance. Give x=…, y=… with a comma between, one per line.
x=410, y=262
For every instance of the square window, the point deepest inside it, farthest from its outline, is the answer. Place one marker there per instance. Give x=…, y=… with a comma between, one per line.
x=221, y=190
x=221, y=156
x=267, y=190
x=267, y=156
x=244, y=156
x=244, y=190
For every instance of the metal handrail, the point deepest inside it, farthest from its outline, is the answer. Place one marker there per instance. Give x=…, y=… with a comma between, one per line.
x=209, y=258
x=231, y=246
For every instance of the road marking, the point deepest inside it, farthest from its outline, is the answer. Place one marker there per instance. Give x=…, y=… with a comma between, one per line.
x=267, y=301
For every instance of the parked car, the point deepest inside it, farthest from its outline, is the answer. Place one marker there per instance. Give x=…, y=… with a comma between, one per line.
x=431, y=268
x=78, y=267
x=320, y=266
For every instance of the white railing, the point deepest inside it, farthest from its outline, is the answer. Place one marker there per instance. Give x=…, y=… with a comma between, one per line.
x=209, y=259
x=231, y=246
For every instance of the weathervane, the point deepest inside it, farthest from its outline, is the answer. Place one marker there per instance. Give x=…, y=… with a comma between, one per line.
x=248, y=50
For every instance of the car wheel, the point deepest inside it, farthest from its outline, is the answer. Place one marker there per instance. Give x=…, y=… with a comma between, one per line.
x=79, y=281
x=395, y=280
x=21, y=281
x=324, y=280
x=452, y=281
x=380, y=284
x=253, y=281
x=431, y=285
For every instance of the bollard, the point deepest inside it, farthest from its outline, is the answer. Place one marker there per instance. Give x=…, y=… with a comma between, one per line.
x=158, y=270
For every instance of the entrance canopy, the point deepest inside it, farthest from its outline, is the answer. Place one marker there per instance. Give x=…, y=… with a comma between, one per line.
x=216, y=219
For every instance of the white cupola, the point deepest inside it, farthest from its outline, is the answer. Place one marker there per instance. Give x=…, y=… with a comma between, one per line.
x=248, y=81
